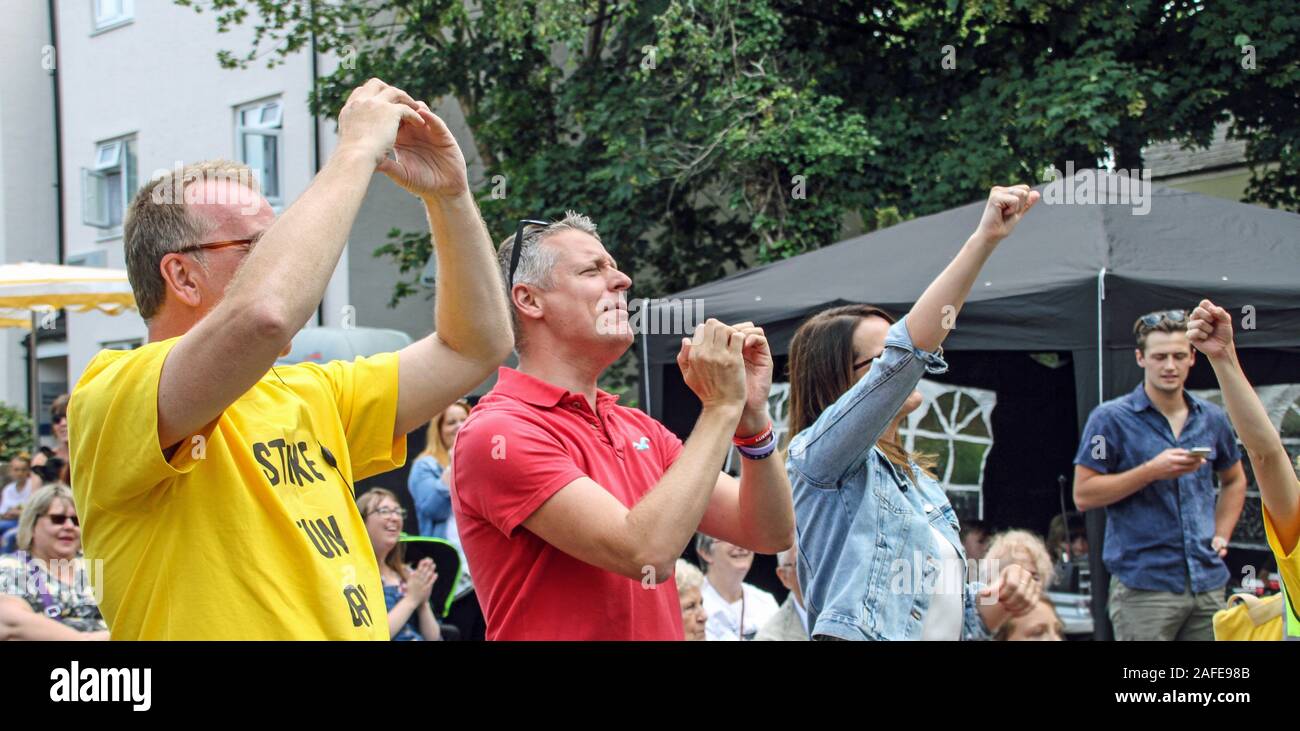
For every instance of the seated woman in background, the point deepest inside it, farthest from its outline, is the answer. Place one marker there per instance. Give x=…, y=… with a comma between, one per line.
x=406, y=591
x=1210, y=330
x=429, y=479
x=44, y=591
x=735, y=609
x=689, y=584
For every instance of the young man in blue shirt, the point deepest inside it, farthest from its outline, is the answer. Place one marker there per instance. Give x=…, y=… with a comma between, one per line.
x=1143, y=457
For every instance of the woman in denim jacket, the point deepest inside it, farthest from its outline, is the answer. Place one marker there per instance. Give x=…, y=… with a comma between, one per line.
x=879, y=554
x=428, y=481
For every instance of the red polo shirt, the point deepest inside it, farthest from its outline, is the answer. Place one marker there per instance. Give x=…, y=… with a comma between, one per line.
x=524, y=441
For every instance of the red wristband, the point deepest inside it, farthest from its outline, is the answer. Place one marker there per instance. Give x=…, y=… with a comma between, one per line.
x=750, y=441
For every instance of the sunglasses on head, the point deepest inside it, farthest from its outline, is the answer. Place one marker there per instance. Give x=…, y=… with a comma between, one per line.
x=61, y=518
x=519, y=239
x=1153, y=319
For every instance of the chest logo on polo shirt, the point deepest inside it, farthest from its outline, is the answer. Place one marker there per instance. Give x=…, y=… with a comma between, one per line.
x=642, y=445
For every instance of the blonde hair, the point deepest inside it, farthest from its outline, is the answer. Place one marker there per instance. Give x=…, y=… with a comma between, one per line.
x=434, y=446
x=157, y=224
x=39, y=505
x=367, y=504
x=687, y=576
x=1005, y=545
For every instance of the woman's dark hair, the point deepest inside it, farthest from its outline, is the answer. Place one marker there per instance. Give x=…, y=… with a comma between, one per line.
x=821, y=370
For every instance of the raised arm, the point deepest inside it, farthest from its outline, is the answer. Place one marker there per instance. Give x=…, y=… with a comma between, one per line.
x=756, y=511
x=1210, y=330
x=935, y=312
x=851, y=425
x=473, y=325
x=283, y=277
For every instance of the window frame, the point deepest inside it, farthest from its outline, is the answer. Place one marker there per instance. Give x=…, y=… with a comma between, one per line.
x=101, y=23
x=115, y=155
x=273, y=128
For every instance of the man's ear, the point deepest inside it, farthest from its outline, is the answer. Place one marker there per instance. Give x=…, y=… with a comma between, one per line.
x=526, y=302
x=181, y=276
x=1141, y=361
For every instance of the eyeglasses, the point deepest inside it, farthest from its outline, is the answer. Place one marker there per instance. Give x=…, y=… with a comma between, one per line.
x=519, y=239
x=56, y=418
x=61, y=518
x=1153, y=319
x=213, y=245
x=389, y=512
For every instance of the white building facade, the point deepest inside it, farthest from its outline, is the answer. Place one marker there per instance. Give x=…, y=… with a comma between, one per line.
x=140, y=90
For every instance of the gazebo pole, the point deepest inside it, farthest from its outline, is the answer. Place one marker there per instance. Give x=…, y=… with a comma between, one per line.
x=34, y=397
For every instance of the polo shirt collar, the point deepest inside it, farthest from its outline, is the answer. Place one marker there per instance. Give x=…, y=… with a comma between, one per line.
x=535, y=391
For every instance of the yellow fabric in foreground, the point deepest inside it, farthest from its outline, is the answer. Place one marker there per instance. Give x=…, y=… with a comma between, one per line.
x=1252, y=619
x=246, y=532
x=1288, y=564
x=1262, y=619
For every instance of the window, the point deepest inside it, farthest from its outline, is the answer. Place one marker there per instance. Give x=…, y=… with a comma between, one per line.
x=107, y=187
x=954, y=423
x=257, y=145
x=112, y=13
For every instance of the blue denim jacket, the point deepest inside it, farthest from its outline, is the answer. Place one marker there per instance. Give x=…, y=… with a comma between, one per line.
x=866, y=551
x=1158, y=538
x=432, y=497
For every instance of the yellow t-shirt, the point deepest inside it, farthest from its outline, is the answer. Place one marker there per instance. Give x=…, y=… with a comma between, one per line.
x=1288, y=564
x=247, y=532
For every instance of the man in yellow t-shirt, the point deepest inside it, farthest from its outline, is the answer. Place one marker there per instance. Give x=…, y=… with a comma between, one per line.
x=1210, y=330
x=218, y=489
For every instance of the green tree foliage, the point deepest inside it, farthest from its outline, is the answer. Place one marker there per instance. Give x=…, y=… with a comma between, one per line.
x=15, y=433
x=706, y=135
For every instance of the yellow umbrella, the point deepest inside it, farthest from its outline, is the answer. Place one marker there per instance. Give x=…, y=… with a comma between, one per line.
x=29, y=289
x=17, y=319
x=42, y=287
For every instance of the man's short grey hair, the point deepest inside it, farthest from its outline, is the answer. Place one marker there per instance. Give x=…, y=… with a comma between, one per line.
x=158, y=224
x=536, y=262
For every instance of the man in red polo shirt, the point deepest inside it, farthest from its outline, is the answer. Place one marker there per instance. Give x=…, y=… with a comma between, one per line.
x=572, y=509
